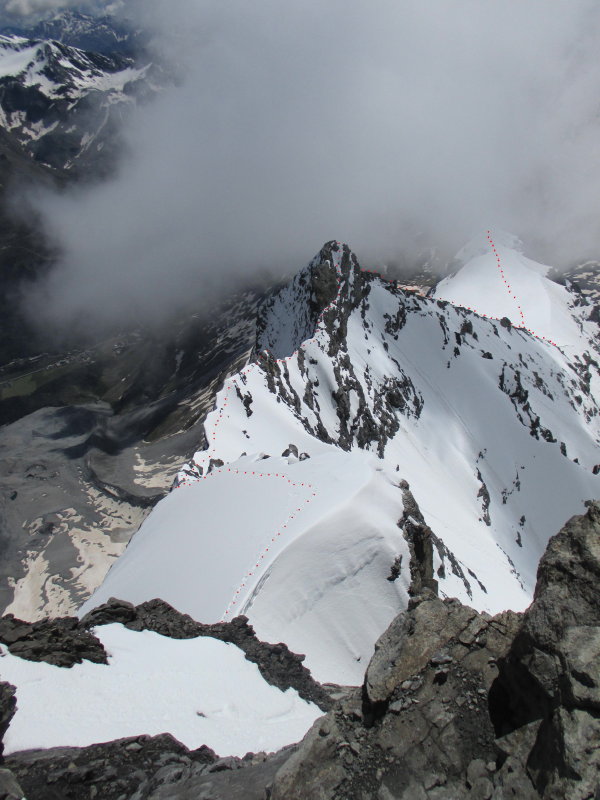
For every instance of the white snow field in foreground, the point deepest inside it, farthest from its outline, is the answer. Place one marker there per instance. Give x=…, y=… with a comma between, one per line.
x=303, y=548
x=152, y=685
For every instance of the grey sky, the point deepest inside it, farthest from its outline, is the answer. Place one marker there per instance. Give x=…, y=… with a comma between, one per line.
x=387, y=124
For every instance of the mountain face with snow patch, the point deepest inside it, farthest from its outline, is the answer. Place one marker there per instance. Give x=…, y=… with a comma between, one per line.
x=98, y=34
x=62, y=103
x=368, y=421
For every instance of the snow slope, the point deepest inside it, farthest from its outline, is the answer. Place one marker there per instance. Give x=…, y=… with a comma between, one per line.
x=334, y=509
x=495, y=430
x=202, y=690
x=498, y=280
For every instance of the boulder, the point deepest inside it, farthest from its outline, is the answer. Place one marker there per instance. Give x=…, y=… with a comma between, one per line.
x=419, y=726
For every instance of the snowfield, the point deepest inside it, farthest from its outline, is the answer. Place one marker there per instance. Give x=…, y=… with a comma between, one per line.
x=203, y=691
x=315, y=542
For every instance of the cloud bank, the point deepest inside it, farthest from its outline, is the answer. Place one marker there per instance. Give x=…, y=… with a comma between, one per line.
x=391, y=125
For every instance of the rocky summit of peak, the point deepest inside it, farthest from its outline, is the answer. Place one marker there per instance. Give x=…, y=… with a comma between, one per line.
x=292, y=313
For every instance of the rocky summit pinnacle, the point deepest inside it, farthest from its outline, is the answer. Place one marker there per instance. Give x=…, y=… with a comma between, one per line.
x=293, y=314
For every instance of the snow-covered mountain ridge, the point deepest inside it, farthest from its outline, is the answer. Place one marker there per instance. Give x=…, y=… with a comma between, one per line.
x=59, y=70
x=103, y=34
x=355, y=390
x=61, y=102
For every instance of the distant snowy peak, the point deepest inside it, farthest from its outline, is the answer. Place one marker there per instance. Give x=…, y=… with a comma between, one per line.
x=496, y=280
x=60, y=71
x=62, y=103
x=98, y=34
x=479, y=245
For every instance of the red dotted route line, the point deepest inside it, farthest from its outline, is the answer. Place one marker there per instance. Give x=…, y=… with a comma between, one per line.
x=212, y=444
x=281, y=530
x=510, y=291
x=508, y=286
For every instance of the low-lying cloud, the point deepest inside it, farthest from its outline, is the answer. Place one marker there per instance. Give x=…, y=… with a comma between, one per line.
x=392, y=125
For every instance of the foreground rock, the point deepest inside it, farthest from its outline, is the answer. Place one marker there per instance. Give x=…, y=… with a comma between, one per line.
x=8, y=705
x=141, y=768
x=62, y=641
x=547, y=697
x=108, y=771
x=455, y=704
x=420, y=723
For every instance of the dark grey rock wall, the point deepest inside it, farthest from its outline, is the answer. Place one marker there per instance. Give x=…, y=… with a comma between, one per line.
x=457, y=704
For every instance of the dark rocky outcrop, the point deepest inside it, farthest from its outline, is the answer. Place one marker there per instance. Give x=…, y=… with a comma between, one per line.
x=8, y=706
x=125, y=768
x=420, y=542
x=457, y=704
x=142, y=768
x=66, y=641
x=61, y=641
x=277, y=664
x=9, y=786
x=549, y=681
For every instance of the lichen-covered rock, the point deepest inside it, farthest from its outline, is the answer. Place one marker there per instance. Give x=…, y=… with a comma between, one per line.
x=9, y=786
x=420, y=720
x=551, y=675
